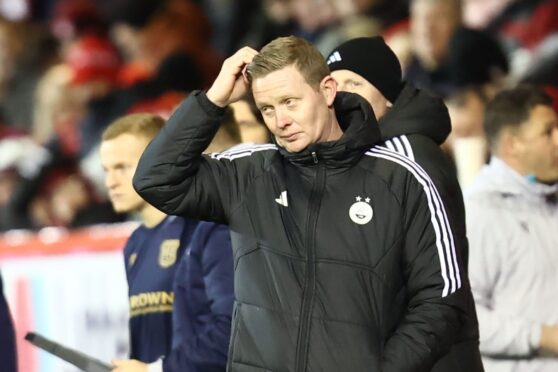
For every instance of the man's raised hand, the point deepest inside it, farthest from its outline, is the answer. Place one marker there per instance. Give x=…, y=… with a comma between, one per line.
x=231, y=85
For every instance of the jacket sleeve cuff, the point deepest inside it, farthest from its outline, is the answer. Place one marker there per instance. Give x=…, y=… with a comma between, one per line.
x=155, y=366
x=535, y=337
x=209, y=107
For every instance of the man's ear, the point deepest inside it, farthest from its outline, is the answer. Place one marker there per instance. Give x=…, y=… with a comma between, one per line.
x=509, y=144
x=328, y=87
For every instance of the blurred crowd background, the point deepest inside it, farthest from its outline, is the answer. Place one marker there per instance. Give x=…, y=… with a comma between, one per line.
x=70, y=67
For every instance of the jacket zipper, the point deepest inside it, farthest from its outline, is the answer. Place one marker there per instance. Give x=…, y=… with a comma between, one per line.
x=310, y=282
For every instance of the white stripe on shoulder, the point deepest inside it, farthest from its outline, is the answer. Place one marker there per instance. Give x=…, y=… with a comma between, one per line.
x=242, y=150
x=401, y=145
x=408, y=147
x=444, y=235
x=390, y=145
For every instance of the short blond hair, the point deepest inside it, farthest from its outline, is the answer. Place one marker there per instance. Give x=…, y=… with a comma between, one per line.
x=141, y=125
x=289, y=51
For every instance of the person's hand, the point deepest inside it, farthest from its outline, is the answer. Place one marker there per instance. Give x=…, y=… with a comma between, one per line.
x=549, y=340
x=131, y=365
x=231, y=84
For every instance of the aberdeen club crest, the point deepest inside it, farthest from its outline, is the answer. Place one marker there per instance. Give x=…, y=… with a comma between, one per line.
x=361, y=212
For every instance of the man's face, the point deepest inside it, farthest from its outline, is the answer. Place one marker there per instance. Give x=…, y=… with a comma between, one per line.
x=536, y=145
x=296, y=113
x=433, y=22
x=349, y=81
x=120, y=157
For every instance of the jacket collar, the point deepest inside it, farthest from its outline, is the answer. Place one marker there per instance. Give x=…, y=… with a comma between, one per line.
x=360, y=132
x=501, y=178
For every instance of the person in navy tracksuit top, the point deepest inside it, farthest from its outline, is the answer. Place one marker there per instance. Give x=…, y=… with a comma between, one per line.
x=153, y=251
x=180, y=304
x=204, y=298
x=151, y=259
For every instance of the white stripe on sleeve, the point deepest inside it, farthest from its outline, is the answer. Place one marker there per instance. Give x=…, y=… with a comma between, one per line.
x=444, y=236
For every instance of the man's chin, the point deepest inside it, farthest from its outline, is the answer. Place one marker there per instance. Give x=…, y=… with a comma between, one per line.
x=294, y=147
x=548, y=179
x=121, y=208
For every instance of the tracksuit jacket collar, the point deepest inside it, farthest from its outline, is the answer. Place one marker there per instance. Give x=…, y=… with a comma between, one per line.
x=506, y=180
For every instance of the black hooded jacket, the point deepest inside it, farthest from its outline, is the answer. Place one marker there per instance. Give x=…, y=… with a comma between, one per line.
x=343, y=257
x=416, y=126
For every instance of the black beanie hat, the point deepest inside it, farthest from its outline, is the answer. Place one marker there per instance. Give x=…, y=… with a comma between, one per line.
x=371, y=58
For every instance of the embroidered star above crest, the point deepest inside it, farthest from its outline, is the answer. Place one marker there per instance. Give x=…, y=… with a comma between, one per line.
x=367, y=200
x=358, y=198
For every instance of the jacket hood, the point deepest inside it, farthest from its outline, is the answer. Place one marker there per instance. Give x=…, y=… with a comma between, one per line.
x=416, y=112
x=360, y=132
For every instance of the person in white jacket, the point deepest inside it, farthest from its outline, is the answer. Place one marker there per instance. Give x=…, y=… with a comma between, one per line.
x=512, y=225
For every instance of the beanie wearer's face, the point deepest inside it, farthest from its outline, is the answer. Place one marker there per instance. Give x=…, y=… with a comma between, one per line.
x=349, y=81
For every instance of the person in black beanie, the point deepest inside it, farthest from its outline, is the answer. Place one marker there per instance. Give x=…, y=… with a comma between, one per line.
x=377, y=67
x=415, y=124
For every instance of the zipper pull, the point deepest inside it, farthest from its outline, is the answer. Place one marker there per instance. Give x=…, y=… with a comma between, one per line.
x=315, y=157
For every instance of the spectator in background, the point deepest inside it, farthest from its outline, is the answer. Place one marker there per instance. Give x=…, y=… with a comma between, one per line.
x=467, y=141
x=26, y=51
x=414, y=124
x=72, y=202
x=386, y=12
x=159, y=29
x=71, y=19
x=250, y=122
x=432, y=24
x=38, y=199
x=446, y=55
x=476, y=59
x=186, y=324
x=230, y=21
x=512, y=219
x=95, y=64
x=8, y=356
x=154, y=249
x=176, y=73
x=57, y=111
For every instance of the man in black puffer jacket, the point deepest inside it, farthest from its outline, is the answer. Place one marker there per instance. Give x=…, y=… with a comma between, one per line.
x=415, y=124
x=344, y=258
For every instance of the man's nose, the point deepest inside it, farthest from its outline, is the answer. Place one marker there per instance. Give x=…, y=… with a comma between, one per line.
x=283, y=119
x=110, y=180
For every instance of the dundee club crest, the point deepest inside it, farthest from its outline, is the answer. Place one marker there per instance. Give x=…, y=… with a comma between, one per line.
x=167, y=252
